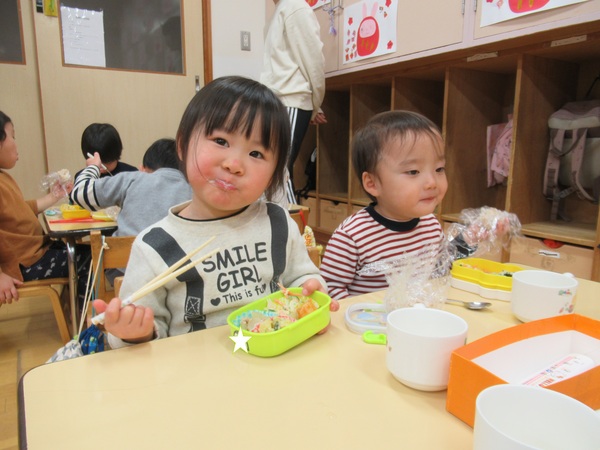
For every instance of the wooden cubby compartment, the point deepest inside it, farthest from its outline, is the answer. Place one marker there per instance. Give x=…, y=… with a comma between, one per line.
x=476, y=97
x=333, y=143
x=367, y=100
x=422, y=93
x=546, y=83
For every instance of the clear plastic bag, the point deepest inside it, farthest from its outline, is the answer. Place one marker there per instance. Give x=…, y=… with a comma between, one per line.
x=58, y=183
x=484, y=229
x=113, y=212
x=420, y=277
x=424, y=276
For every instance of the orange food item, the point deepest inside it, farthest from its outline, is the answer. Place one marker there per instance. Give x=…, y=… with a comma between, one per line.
x=306, y=309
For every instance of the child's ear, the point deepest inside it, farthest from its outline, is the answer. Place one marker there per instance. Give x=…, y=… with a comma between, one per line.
x=179, y=152
x=370, y=184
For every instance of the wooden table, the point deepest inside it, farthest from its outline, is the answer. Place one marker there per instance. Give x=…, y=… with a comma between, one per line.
x=69, y=233
x=330, y=392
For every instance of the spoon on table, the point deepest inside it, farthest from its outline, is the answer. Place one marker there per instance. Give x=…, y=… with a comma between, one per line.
x=469, y=305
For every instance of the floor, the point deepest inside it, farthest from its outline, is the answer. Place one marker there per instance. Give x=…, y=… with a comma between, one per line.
x=28, y=337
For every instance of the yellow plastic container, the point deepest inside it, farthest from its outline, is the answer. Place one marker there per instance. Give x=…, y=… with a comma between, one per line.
x=101, y=215
x=487, y=278
x=74, y=212
x=280, y=341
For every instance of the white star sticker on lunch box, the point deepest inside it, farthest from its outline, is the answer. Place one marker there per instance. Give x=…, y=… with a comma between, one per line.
x=241, y=341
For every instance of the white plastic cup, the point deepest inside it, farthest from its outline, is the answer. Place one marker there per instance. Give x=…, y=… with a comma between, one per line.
x=539, y=294
x=419, y=344
x=517, y=417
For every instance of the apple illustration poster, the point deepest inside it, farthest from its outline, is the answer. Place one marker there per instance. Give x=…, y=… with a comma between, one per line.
x=370, y=29
x=494, y=11
x=314, y=4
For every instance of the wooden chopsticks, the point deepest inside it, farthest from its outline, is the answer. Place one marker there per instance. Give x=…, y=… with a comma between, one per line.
x=160, y=280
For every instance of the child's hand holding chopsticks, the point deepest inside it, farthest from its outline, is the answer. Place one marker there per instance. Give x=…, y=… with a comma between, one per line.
x=132, y=323
x=135, y=323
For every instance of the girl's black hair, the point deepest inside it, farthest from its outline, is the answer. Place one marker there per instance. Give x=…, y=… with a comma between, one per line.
x=235, y=103
x=4, y=119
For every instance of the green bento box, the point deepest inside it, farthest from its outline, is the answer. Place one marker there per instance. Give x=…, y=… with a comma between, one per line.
x=277, y=342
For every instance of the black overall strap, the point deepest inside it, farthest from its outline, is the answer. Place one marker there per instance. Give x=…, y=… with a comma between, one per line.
x=280, y=233
x=170, y=251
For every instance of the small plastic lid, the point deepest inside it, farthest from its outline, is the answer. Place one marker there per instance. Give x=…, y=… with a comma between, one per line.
x=362, y=317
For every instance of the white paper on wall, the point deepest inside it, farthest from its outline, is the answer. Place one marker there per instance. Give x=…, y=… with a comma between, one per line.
x=83, y=36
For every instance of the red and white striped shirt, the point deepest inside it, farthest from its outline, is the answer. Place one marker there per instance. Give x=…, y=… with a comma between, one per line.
x=367, y=237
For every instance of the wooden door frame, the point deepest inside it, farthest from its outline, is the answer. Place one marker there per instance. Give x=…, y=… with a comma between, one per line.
x=207, y=40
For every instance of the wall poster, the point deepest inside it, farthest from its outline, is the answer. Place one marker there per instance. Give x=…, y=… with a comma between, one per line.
x=370, y=29
x=494, y=11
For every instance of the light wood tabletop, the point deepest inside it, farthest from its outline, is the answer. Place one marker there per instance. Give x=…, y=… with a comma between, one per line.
x=192, y=391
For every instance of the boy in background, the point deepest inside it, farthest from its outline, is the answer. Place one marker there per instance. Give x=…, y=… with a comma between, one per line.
x=144, y=196
x=104, y=139
x=26, y=252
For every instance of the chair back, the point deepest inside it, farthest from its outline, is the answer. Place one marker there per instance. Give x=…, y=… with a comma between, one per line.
x=51, y=288
x=315, y=255
x=115, y=256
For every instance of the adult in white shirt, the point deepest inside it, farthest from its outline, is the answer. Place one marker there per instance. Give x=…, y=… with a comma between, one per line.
x=294, y=68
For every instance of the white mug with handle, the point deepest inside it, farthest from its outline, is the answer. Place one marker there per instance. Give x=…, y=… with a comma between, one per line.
x=539, y=294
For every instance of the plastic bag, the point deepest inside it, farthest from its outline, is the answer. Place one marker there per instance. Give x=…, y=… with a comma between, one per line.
x=483, y=229
x=419, y=277
x=58, y=183
x=424, y=276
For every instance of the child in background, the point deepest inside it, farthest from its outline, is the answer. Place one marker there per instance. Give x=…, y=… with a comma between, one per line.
x=26, y=253
x=399, y=158
x=233, y=139
x=144, y=196
x=104, y=139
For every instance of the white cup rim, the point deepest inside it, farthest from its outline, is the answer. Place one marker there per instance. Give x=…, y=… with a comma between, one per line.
x=528, y=277
x=460, y=322
x=487, y=414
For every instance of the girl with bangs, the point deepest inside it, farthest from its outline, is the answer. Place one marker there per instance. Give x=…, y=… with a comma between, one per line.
x=233, y=141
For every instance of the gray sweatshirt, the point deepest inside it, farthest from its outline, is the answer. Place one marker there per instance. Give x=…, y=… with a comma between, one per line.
x=144, y=198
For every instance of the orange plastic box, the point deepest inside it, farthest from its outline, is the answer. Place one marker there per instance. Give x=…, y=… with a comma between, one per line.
x=468, y=378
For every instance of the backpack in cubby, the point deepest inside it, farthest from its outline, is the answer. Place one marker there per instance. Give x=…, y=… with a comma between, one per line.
x=573, y=163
